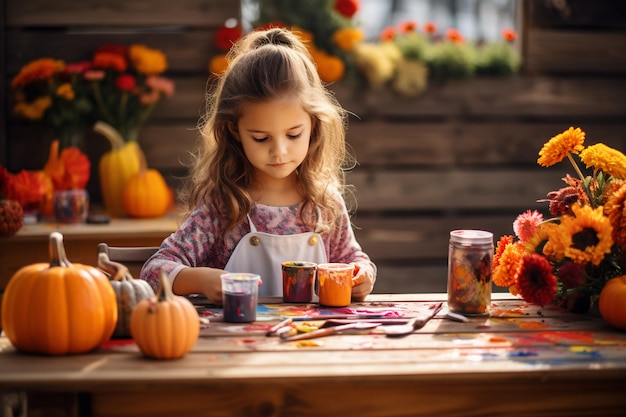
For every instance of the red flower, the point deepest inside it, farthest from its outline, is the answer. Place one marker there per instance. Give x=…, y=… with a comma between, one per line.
x=509, y=35
x=78, y=67
x=388, y=34
x=407, y=27
x=111, y=48
x=455, y=36
x=430, y=28
x=226, y=36
x=106, y=60
x=571, y=275
x=347, y=8
x=125, y=82
x=535, y=280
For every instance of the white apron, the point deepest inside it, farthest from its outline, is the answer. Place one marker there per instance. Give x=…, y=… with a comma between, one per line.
x=263, y=253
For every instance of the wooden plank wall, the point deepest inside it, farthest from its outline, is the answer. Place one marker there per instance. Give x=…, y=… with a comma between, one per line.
x=462, y=155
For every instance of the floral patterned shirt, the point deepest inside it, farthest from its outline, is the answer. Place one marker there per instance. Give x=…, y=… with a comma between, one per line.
x=197, y=241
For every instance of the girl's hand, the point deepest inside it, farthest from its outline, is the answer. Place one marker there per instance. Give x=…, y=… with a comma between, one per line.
x=362, y=281
x=212, y=286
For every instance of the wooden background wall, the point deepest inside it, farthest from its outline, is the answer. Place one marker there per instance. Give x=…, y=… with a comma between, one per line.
x=462, y=155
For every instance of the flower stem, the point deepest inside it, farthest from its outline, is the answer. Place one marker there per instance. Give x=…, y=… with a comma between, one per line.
x=571, y=159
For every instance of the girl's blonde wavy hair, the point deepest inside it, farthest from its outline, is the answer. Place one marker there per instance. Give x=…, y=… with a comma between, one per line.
x=265, y=65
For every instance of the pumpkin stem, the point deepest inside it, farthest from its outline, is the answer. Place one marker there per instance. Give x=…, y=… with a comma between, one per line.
x=110, y=133
x=57, y=251
x=117, y=271
x=165, y=292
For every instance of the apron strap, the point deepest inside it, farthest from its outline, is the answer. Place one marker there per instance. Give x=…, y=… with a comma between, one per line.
x=252, y=226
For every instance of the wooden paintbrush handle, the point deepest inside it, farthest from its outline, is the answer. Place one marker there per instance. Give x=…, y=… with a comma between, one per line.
x=311, y=335
x=421, y=320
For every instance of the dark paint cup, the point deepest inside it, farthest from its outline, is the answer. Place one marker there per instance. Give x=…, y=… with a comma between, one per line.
x=298, y=281
x=240, y=297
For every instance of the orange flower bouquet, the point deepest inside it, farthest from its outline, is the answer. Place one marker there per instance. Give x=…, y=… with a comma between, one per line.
x=51, y=92
x=568, y=258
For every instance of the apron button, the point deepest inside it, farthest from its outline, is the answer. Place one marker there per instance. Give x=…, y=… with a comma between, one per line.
x=313, y=241
x=255, y=241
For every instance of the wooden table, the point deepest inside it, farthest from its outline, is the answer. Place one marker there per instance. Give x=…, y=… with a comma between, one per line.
x=521, y=361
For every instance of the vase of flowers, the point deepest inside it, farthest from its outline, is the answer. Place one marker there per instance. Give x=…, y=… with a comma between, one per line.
x=126, y=84
x=52, y=93
x=569, y=257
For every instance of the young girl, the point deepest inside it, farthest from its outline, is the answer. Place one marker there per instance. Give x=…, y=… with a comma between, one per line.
x=267, y=181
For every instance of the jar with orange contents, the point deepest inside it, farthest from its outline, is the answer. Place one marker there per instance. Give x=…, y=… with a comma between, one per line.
x=470, y=258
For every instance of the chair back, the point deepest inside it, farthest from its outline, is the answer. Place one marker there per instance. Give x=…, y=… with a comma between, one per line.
x=132, y=257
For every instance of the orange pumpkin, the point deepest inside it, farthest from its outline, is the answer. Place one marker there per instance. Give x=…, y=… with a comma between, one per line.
x=146, y=193
x=165, y=326
x=58, y=308
x=68, y=170
x=612, y=302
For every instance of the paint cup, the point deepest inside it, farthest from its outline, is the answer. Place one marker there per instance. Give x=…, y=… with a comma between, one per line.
x=334, y=284
x=298, y=281
x=71, y=206
x=240, y=297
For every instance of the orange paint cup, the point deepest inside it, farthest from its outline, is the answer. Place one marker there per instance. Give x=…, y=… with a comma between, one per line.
x=334, y=284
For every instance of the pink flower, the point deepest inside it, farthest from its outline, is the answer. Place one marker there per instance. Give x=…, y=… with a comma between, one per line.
x=527, y=224
x=161, y=85
x=94, y=75
x=149, y=98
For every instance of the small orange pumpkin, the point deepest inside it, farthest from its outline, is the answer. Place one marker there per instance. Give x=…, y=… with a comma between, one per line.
x=612, y=302
x=58, y=308
x=165, y=326
x=146, y=193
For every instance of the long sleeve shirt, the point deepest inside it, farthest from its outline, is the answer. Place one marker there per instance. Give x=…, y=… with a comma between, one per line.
x=197, y=242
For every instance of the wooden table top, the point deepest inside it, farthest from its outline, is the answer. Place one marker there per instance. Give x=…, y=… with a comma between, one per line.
x=522, y=359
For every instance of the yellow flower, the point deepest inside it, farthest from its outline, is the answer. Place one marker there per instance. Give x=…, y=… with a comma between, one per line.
x=540, y=242
x=65, y=91
x=347, y=38
x=615, y=210
x=559, y=146
x=34, y=110
x=604, y=158
x=584, y=237
x=146, y=60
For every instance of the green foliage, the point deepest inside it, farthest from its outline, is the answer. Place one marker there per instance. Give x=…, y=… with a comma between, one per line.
x=497, y=59
x=451, y=60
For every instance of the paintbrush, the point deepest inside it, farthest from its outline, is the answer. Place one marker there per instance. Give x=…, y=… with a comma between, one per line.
x=355, y=316
x=327, y=331
x=274, y=329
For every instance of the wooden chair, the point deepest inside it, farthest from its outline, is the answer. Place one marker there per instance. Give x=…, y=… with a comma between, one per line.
x=132, y=257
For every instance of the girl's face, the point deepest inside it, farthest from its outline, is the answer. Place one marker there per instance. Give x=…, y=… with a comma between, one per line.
x=275, y=136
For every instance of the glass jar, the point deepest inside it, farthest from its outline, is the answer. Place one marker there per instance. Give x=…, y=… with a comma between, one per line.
x=470, y=258
x=71, y=206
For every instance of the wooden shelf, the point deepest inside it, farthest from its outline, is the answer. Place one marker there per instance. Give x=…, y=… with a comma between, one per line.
x=30, y=244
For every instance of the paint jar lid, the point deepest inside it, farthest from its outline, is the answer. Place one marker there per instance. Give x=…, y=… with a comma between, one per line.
x=471, y=237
